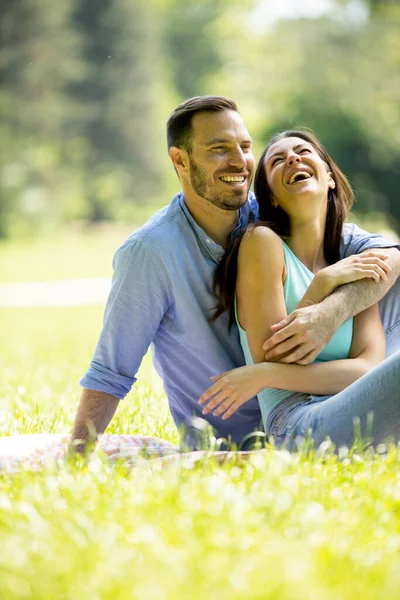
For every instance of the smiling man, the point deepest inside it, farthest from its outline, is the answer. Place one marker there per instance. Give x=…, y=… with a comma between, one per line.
x=163, y=280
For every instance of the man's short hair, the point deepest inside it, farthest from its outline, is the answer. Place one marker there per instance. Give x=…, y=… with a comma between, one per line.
x=179, y=124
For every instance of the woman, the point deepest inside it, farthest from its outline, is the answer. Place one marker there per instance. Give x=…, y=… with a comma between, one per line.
x=288, y=260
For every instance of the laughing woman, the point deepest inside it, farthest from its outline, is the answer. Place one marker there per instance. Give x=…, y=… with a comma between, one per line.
x=291, y=259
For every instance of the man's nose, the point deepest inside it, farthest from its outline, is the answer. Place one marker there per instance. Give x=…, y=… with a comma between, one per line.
x=237, y=158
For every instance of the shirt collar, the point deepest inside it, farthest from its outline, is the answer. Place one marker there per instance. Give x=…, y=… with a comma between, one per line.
x=247, y=214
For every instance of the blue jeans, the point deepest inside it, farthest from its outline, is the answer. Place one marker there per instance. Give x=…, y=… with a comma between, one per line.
x=377, y=393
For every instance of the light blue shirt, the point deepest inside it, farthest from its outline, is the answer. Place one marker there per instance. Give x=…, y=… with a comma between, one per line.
x=162, y=296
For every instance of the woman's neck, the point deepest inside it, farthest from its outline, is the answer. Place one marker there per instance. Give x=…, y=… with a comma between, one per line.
x=307, y=242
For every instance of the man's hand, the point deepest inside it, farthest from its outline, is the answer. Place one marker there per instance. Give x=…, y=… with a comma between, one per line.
x=301, y=336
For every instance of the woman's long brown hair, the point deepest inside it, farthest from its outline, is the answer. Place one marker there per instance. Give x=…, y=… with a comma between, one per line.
x=340, y=200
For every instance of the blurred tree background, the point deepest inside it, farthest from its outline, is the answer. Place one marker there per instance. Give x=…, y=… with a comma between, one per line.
x=87, y=85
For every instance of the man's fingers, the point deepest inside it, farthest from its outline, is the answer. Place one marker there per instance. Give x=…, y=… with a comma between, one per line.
x=298, y=354
x=280, y=336
x=309, y=358
x=281, y=324
x=283, y=348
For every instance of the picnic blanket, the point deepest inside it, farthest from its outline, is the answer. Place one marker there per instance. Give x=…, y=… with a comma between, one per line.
x=34, y=451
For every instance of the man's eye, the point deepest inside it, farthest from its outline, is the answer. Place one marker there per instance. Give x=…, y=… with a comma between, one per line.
x=218, y=149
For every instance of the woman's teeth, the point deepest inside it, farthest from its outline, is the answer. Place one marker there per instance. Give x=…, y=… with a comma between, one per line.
x=299, y=176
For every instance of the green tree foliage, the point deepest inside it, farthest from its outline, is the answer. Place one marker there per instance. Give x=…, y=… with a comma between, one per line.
x=86, y=88
x=191, y=45
x=37, y=59
x=115, y=103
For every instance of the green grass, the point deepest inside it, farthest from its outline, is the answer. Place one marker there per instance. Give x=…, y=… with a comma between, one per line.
x=280, y=526
x=69, y=254
x=277, y=527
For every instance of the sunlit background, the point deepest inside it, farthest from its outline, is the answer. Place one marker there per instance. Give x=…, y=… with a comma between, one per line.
x=87, y=86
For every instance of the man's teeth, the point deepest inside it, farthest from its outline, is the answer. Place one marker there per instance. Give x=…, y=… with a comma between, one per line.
x=299, y=176
x=233, y=178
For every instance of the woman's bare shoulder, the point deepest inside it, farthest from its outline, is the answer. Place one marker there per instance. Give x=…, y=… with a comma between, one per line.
x=261, y=238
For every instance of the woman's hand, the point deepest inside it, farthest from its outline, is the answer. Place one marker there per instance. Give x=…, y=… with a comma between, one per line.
x=233, y=388
x=368, y=265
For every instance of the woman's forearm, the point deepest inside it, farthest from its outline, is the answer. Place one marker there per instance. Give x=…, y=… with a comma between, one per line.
x=323, y=378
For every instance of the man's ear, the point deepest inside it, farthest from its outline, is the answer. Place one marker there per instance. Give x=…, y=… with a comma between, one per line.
x=331, y=181
x=179, y=159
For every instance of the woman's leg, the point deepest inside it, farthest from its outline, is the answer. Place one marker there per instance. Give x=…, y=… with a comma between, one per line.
x=377, y=392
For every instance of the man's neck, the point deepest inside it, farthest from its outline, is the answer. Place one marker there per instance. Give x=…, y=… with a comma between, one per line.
x=216, y=222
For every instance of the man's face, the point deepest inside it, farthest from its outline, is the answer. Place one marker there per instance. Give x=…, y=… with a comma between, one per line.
x=221, y=161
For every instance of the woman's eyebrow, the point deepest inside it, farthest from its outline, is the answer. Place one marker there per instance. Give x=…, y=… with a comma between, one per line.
x=295, y=148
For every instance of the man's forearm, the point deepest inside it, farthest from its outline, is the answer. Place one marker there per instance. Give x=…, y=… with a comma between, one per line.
x=352, y=298
x=95, y=411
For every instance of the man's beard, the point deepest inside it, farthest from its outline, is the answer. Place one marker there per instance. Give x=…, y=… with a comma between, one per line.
x=231, y=199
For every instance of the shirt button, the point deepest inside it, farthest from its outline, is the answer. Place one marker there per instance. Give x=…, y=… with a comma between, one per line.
x=208, y=240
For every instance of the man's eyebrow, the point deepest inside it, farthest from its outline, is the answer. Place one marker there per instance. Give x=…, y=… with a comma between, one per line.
x=225, y=141
x=295, y=148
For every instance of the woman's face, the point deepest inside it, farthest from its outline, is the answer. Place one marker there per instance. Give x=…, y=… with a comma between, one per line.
x=296, y=173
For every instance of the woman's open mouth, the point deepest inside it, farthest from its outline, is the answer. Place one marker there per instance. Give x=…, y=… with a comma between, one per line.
x=299, y=176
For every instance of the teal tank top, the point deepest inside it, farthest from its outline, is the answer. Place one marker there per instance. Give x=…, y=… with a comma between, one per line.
x=298, y=279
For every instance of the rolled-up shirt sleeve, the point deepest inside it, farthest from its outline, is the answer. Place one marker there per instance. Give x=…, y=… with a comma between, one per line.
x=138, y=300
x=356, y=240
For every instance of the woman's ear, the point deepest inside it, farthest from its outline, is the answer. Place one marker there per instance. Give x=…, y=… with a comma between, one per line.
x=331, y=181
x=274, y=202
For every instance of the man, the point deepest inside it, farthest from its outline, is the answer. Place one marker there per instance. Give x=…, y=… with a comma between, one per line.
x=162, y=286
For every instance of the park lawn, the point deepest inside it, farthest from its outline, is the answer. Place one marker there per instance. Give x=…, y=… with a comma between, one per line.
x=279, y=526
x=71, y=253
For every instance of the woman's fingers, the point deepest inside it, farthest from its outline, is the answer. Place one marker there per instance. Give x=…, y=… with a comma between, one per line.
x=233, y=408
x=210, y=393
x=220, y=376
x=214, y=402
x=223, y=407
x=376, y=261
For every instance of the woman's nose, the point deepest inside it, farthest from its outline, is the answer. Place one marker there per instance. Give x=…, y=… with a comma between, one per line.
x=293, y=158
